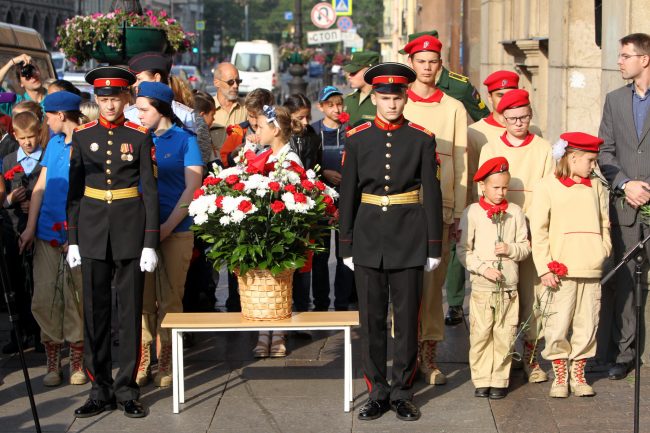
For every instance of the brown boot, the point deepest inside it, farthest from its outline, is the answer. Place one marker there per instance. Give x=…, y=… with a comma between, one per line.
x=427, y=363
x=532, y=369
x=77, y=375
x=577, y=382
x=54, y=375
x=144, y=368
x=560, y=385
x=163, y=377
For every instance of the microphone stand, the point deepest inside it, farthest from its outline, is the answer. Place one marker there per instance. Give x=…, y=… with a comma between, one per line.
x=637, y=254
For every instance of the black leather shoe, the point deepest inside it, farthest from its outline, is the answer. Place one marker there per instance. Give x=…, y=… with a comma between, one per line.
x=373, y=409
x=133, y=409
x=619, y=371
x=93, y=407
x=482, y=392
x=405, y=410
x=498, y=393
x=454, y=315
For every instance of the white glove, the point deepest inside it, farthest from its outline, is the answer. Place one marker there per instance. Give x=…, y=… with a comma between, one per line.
x=148, y=260
x=73, y=257
x=347, y=261
x=432, y=263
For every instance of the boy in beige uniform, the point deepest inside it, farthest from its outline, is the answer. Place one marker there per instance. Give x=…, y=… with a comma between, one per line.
x=569, y=222
x=447, y=119
x=531, y=160
x=490, y=248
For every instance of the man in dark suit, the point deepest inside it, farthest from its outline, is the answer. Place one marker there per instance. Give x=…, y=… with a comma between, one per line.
x=391, y=230
x=623, y=160
x=112, y=221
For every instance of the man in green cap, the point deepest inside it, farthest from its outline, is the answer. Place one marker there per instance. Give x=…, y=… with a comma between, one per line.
x=457, y=86
x=358, y=104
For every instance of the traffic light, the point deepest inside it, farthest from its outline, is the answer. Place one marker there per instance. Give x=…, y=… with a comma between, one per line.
x=195, y=50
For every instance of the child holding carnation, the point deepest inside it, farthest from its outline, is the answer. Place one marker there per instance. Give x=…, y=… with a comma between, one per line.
x=570, y=228
x=494, y=238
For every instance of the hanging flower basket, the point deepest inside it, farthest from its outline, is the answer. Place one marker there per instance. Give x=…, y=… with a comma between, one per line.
x=136, y=40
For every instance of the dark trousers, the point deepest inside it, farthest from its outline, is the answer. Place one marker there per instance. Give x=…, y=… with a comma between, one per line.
x=233, y=303
x=129, y=282
x=374, y=287
x=623, y=239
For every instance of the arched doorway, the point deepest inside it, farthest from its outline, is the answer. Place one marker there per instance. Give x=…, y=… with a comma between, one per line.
x=10, y=17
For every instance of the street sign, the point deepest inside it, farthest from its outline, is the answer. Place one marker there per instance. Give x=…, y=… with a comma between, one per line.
x=324, y=37
x=352, y=40
x=288, y=16
x=199, y=25
x=344, y=23
x=342, y=7
x=323, y=15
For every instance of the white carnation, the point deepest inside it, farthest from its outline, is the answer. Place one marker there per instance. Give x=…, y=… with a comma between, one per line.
x=311, y=175
x=229, y=204
x=559, y=149
x=237, y=216
x=224, y=220
x=293, y=177
x=200, y=219
x=287, y=198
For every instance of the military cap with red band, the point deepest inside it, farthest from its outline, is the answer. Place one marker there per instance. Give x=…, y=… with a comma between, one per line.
x=389, y=77
x=582, y=141
x=109, y=80
x=501, y=80
x=423, y=43
x=490, y=167
x=513, y=99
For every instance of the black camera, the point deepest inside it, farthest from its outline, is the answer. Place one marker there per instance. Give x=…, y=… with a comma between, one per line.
x=27, y=70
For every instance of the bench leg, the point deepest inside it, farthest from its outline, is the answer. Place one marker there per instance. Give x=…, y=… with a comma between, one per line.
x=347, y=393
x=181, y=369
x=175, y=369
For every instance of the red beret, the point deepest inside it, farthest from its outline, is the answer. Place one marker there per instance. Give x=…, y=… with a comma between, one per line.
x=501, y=80
x=491, y=166
x=582, y=141
x=513, y=99
x=423, y=43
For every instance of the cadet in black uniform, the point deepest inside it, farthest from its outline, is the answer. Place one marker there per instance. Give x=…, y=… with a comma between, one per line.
x=112, y=223
x=389, y=235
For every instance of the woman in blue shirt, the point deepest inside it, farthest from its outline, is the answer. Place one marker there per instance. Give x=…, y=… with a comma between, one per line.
x=56, y=303
x=179, y=172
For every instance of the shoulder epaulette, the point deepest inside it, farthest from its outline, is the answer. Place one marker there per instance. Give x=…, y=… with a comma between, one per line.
x=458, y=77
x=137, y=127
x=86, y=125
x=421, y=128
x=358, y=128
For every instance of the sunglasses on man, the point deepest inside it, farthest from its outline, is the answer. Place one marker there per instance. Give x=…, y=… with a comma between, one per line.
x=231, y=83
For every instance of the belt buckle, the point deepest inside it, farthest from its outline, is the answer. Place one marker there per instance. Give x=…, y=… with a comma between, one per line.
x=108, y=196
x=385, y=200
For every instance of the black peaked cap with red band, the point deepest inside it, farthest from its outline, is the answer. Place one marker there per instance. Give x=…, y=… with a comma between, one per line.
x=389, y=77
x=110, y=80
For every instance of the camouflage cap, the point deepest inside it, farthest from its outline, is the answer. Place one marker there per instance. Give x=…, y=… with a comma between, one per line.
x=361, y=60
x=414, y=36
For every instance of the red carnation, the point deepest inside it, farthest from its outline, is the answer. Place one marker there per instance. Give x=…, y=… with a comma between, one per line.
x=277, y=206
x=198, y=193
x=328, y=200
x=307, y=184
x=57, y=227
x=54, y=243
x=331, y=209
x=274, y=186
x=320, y=185
x=238, y=186
x=299, y=197
x=558, y=269
x=232, y=179
x=219, y=202
x=211, y=180
x=290, y=188
x=245, y=206
x=344, y=117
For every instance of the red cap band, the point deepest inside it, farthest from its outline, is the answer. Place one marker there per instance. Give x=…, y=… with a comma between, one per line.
x=389, y=79
x=110, y=82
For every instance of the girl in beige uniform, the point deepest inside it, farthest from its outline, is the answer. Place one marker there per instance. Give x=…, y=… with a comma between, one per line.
x=490, y=250
x=570, y=224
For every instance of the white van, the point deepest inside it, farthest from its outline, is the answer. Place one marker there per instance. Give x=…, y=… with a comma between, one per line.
x=258, y=63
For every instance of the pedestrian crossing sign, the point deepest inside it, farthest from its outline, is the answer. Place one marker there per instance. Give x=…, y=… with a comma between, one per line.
x=342, y=7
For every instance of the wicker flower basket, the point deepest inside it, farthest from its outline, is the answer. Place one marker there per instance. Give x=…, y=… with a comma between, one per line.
x=264, y=296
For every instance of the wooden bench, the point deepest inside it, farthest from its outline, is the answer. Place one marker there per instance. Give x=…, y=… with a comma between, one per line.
x=224, y=322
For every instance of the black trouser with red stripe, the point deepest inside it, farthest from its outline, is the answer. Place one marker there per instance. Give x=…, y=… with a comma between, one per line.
x=129, y=283
x=374, y=286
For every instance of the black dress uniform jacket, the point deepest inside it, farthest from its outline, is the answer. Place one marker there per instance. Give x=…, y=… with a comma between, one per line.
x=383, y=159
x=96, y=161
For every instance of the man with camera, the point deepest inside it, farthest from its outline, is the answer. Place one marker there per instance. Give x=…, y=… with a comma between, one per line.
x=28, y=77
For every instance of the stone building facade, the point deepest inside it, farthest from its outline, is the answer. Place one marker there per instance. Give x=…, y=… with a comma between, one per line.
x=42, y=15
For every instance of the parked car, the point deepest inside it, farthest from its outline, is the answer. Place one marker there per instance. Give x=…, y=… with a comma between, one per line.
x=258, y=64
x=60, y=63
x=191, y=74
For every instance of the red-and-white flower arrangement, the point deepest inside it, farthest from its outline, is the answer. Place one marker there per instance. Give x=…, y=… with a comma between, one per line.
x=261, y=215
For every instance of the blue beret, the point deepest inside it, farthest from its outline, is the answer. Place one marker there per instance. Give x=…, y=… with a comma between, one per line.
x=156, y=90
x=61, y=101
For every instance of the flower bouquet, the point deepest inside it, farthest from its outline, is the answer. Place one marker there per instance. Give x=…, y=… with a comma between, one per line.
x=262, y=219
x=119, y=35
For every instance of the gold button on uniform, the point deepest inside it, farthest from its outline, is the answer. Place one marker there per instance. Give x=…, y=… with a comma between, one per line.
x=386, y=188
x=388, y=134
x=384, y=208
x=108, y=161
x=389, y=145
x=108, y=152
x=388, y=155
x=387, y=166
x=108, y=171
x=387, y=177
x=110, y=132
x=110, y=142
x=108, y=181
